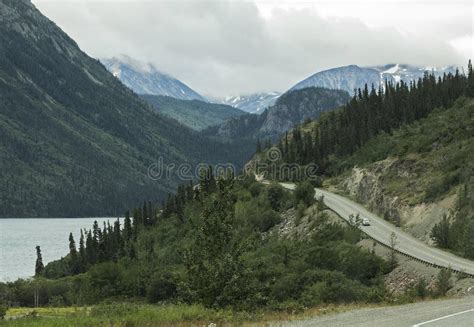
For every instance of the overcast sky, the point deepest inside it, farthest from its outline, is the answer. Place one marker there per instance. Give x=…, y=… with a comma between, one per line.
x=222, y=48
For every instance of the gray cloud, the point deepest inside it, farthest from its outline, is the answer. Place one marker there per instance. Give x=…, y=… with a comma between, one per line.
x=224, y=48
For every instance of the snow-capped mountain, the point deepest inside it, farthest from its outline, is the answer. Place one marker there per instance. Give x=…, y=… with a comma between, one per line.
x=254, y=103
x=144, y=78
x=407, y=73
x=353, y=77
x=347, y=78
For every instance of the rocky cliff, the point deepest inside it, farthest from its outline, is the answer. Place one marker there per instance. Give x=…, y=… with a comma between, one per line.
x=370, y=186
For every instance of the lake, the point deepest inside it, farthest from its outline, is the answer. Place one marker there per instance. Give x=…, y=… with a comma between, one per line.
x=19, y=237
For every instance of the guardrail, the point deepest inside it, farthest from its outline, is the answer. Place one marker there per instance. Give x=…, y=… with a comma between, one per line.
x=454, y=270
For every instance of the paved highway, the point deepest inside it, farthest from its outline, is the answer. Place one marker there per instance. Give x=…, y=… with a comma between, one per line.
x=381, y=230
x=452, y=312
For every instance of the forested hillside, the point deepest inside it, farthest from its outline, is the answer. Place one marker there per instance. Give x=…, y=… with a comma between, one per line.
x=73, y=140
x=412, y=146
x=291, y=109
x=371, y=112
x=195, y=114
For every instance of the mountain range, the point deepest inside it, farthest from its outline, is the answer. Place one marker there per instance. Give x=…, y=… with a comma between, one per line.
x=353, y=77
x=144, y=78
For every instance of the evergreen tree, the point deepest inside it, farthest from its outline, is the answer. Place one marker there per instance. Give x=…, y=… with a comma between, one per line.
x=127, y=227
x=470, y=80
x=207, y=182
x=144, y=213
x=91, y=249
x=72, y=246
x=137, y=221
x=39, y=266
x=74, y=263
x=443, y=282
x=151, y=218
x=82, y=252
x=116, y=246
x=259, y=146
x=441, y=233
x=95, y=235
x=468, y=241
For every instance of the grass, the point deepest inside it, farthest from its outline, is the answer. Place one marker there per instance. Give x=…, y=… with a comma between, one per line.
x=130, y=315
x=122, y=314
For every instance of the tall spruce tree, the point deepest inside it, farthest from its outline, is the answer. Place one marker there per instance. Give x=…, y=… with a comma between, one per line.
x=39, y=266
x=470, y=80
x=127, y=227
x=74, y=262
x=82, y=253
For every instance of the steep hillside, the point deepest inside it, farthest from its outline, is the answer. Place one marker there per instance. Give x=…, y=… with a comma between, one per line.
x=295, y=107
x=192, y=113
x=254, y=103
x=144, y=78
x=291, y=108
x=73, y=140
x=420, y=172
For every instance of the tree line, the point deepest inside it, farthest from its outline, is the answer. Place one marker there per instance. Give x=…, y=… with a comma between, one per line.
x=370, y=112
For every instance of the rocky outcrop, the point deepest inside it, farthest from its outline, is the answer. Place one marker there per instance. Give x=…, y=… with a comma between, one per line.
x=369, y=187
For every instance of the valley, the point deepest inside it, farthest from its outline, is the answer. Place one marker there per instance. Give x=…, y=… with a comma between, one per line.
x=345, y=197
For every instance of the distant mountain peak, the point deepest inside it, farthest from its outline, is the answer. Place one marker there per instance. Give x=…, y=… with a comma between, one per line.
x=347, y=78
x=253, y=103
x=144, y=78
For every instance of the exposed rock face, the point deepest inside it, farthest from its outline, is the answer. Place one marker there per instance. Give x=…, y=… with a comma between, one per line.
x=368, y=186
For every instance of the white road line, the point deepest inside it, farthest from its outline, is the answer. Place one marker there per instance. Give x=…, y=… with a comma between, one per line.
x=441, y=318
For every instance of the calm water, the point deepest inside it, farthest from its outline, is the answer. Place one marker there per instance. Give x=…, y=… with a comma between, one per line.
x=19, y=237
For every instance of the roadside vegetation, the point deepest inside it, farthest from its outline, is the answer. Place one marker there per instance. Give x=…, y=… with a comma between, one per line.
x=211, y=245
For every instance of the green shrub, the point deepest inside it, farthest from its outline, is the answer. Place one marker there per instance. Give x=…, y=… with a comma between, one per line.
x=267, y=220
x=421, y=288
x=255, y=189
x=161, y=288
x=313, y=295
x=275, y=195
x=443, y=282
x=304, y=192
